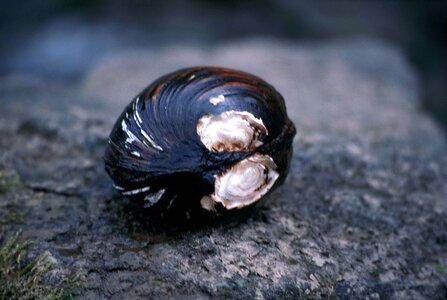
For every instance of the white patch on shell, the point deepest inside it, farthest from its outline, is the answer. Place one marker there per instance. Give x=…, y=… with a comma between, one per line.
x=135, y=153
x=151, y=199
x=136, y=191
x=231, y=131
x=130, y=136
x=244, y=183
x=138, y=121
x=119, y=188
x=138, y=118
x=207, y=203
x=147, y=136
x=217, y=100
x=150, y=140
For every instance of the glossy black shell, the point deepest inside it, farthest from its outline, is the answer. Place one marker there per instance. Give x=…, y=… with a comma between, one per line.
x=177, y=162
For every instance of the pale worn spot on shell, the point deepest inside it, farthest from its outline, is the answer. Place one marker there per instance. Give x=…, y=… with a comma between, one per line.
x=130, y=136
x=119, y=188
x=245, y=182
x=135, y=153
x=152, y=199
x=150, y=140
x=231, y=131
x=136, y=191
x=217, y=100
x=136, y=111
x=207, y=203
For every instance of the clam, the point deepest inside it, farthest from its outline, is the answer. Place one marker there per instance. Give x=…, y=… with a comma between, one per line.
x=206, y=138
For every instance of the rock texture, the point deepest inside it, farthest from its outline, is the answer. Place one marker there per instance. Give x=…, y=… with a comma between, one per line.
x=363, y=213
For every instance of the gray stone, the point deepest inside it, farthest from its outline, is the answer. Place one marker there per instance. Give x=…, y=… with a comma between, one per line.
x=363, y=213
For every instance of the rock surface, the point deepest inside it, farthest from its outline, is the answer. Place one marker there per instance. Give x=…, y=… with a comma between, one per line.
x=363, y=213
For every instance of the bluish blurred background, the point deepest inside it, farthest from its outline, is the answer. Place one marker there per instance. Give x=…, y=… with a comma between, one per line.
x=60, y=40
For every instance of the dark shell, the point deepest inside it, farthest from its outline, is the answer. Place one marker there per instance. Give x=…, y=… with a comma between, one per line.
x=155, y=152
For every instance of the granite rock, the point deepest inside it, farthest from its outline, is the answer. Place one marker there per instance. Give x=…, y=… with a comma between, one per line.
x=363, y=213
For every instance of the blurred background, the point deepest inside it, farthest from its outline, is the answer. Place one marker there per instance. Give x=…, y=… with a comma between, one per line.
x=60, y=40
